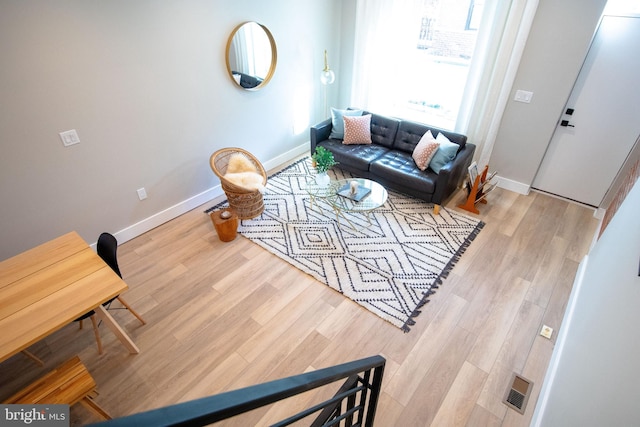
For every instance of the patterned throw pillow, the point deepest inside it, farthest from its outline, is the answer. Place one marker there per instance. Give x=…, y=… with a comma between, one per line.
x=357, y=129
x=425, y=150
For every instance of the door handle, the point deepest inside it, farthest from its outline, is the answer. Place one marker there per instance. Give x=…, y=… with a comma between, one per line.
x=565, y=123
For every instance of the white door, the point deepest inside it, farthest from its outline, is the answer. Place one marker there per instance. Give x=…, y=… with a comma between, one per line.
x=590, y=145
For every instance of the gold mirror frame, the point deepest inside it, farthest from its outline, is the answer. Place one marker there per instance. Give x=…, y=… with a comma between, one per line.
x=233, y=48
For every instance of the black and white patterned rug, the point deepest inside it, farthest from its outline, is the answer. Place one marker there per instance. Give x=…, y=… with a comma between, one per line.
x=389, y=268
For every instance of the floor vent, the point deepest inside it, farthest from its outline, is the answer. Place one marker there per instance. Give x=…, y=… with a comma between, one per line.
x=517, y=394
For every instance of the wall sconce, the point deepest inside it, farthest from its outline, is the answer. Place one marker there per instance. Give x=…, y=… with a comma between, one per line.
x=326, y=78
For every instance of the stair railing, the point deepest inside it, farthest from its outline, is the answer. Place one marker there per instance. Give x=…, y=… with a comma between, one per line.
x=354, y=404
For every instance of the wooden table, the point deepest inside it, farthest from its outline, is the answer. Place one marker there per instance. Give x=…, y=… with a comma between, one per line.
x=51, y=285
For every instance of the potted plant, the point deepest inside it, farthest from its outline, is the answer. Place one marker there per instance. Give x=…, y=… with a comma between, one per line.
x=323, y=161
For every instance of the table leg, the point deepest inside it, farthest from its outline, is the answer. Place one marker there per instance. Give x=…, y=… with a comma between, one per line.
x=312, y=200
x=111, y=323
x=339, y=214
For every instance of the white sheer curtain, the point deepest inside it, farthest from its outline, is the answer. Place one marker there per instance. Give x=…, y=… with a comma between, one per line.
x=386, y=29
x=241, y=54
x=503, y=34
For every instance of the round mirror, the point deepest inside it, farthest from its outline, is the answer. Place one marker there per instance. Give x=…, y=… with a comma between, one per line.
x=251, y=55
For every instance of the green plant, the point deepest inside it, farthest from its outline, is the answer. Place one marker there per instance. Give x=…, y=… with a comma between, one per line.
x=323, y=159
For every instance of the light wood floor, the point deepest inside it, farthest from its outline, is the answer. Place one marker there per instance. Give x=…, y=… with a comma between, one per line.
x=227, y=315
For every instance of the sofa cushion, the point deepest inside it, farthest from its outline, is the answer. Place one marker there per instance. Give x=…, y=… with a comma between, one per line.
x=337, y=121
x=383, y=129
x=352, y=157
x=410, y=133
x=408, y=136
x=357, y=130
x=446, y=152
x=399, y=166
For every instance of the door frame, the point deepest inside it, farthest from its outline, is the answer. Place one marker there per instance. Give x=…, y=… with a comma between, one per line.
x=635, y=150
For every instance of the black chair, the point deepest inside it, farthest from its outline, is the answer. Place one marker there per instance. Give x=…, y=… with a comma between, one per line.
x=107, y=248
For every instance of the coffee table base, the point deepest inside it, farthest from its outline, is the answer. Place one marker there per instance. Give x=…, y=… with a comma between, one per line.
x=339, y=213
x=376, y=197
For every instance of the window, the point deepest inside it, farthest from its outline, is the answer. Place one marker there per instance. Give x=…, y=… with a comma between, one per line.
x=446, y=41
x=426, y=32
x=475, y=13
x=421, y=52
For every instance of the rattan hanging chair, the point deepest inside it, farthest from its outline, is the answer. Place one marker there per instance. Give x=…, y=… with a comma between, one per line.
x=246, y=203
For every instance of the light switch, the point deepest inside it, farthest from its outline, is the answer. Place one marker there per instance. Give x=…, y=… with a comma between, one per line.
x=69, y=137
x=523, y=96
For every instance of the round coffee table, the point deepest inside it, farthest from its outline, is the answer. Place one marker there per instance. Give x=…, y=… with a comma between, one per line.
x=376, y=197
x=319, y=192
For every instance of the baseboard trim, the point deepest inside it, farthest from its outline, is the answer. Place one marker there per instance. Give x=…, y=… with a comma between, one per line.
x=599, y=213
x=168, y=214
x=515, y=186
x=209, y=195
x=287, y=157
x=552, y=370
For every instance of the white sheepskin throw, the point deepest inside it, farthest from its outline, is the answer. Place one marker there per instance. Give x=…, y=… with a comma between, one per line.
x=248, y=180
x=238, y=162
x=242, y=172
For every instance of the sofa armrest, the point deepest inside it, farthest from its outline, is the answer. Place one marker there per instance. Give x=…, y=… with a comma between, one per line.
x=453, y=173
x=319, y=133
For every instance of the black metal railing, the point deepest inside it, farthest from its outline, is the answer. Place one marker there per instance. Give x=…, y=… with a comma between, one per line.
x=354, y=404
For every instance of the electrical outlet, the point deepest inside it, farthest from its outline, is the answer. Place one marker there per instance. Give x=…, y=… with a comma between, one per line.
x=69, y=137
x=142, y=193
x=546, y=331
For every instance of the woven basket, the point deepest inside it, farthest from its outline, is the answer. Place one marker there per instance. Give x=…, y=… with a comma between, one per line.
x=247, y=203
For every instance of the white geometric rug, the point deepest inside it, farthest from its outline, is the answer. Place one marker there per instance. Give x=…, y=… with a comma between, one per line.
x=389, y=268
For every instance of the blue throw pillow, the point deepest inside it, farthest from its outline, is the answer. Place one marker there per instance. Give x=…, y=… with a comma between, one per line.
x=337, y=121
x=446, y=152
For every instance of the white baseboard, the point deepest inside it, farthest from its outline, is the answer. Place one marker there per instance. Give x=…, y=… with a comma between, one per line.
x=168, y=214
x=515, y=186
x=185, y=206
x=287, y=157
x=558, y=349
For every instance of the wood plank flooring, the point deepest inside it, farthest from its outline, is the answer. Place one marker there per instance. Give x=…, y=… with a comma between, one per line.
x=227, y=315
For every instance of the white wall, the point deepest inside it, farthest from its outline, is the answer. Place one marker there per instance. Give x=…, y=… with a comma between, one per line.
x=145, y=85
x=556, y=48
x=594, y=372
